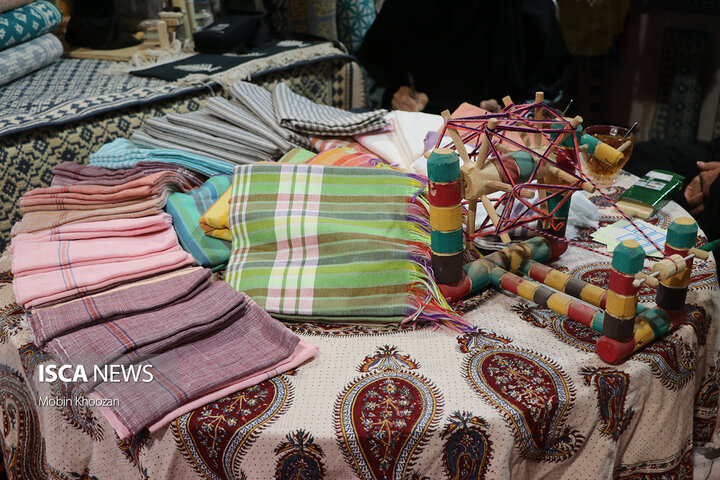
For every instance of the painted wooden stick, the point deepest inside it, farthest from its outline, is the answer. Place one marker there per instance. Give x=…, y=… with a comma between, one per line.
x=494, y=217
x=446, y=234
x=565, y=283
x=539, y=115
x=681, y=237
x=622, y=296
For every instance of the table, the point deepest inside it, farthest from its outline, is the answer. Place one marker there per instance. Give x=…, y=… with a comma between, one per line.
x=523, y=396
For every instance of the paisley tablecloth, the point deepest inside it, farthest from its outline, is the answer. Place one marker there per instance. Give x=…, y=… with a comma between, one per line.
x=523, y=396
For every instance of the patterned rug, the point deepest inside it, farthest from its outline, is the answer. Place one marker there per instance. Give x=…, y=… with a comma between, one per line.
x=72, y=89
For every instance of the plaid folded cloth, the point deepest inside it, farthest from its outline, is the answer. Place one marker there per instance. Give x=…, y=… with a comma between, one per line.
x=161, y=128
x=336, y=244
x=252, y=343
x=128, y=339
x=211, y=125
x=302, y=353
x=187, y=209
x=297, y=155
x=258, y=102
x=122, y=153
x=301, y=114
x=43, y=220
x=234, y=114
x=214, y=221
x=126, y=300
x=71, y=173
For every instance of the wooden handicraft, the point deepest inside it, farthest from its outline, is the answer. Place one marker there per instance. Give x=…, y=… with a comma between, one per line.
x=530, y=154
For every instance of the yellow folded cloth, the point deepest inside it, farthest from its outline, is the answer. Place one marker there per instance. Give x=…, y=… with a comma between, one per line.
x=214, y=222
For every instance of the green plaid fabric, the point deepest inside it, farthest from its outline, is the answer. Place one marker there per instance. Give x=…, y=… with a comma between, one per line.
x=336, y=244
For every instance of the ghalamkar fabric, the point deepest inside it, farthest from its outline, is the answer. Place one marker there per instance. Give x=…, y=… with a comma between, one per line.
x=301, y=114
x=444, y=400
x=333, y=244
x=6, y=5
x=32, y=55
x=187, y=209
x=28, y=22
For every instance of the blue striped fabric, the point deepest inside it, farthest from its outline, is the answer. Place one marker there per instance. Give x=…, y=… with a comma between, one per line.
x=186, y=210
x=122, y=153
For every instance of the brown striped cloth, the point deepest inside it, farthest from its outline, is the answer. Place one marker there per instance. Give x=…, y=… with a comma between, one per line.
x=43, y=220
x=67, y=197
x=253, y=342
x=71, y=173
x=127, y=300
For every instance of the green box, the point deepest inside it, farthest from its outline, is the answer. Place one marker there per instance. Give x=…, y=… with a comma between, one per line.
x=650, y=193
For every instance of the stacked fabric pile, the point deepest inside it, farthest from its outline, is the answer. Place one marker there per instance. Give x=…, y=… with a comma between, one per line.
x=120, y=294
x=25, y=44
x=50, y=207
x=256, y=125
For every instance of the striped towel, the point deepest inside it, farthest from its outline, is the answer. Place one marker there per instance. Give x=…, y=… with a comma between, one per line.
x=257, y=101
x=187, y=209
x=297, y=155
x=71, y=173
x=326, y=143
x=122, y=153
x=42, y=220
x=133, y=337
x=132, y=299
x=336, y=244
x=48, y=271
x=234, y=114
x=211, y=125
x=251, y=344
x=301, y=114
x=184, y=137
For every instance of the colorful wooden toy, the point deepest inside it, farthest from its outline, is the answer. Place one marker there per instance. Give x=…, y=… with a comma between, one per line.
x=534, y=161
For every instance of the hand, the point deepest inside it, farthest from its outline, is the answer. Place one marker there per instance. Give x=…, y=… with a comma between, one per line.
x=403, y=100
x=699, y=188
x=490, y=105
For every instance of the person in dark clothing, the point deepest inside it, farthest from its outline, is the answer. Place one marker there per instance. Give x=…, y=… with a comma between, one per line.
x=464, y=51
x=700, y=165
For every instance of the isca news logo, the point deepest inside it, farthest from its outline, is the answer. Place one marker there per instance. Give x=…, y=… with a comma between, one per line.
x=106, y=373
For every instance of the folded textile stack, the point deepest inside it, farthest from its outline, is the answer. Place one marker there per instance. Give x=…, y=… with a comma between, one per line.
x=25, y=44
x=71, y=173
x=187, y=209
x=169, y=324
x=122, y=153
x=301, y=114
x=91, y=196
x=76, y=259
x=352, y=246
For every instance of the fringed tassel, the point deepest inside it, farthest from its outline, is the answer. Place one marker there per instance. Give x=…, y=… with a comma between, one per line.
x=427, y=303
